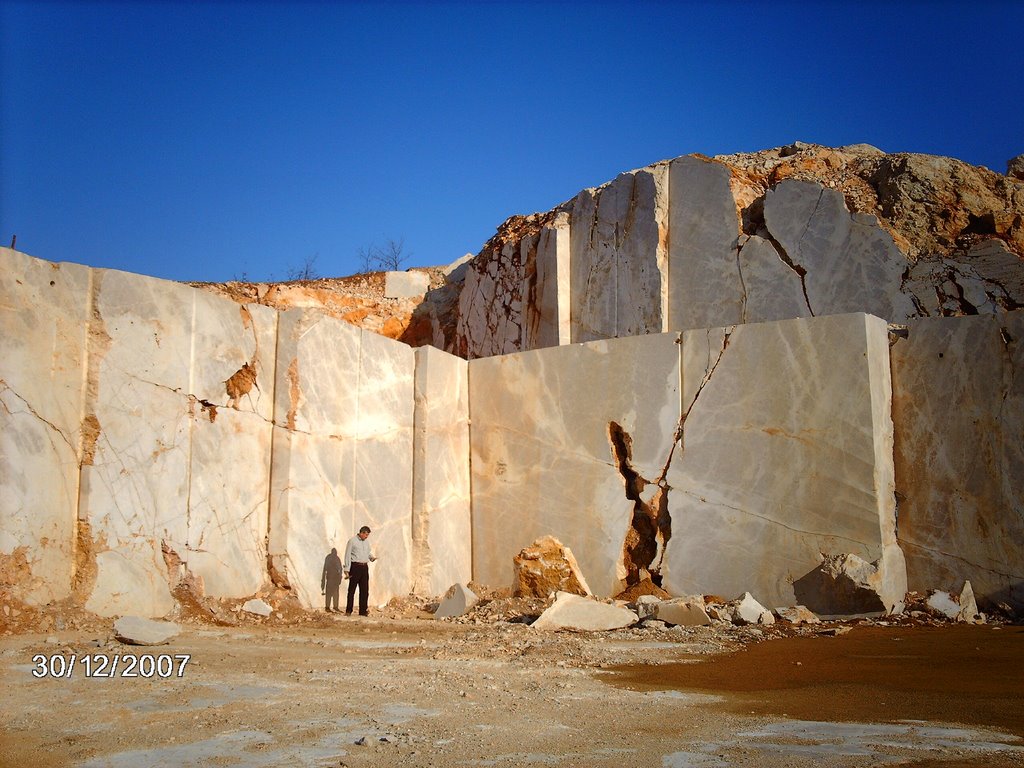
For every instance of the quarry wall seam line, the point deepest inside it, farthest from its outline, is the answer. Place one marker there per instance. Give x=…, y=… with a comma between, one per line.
x=270, y=455
x=83, y=412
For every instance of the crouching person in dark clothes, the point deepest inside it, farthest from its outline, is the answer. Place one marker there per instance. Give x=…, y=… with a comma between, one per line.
x=357, y=570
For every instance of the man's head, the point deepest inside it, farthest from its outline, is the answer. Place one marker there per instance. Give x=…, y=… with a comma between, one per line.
x=364, y=532
x=334, y=550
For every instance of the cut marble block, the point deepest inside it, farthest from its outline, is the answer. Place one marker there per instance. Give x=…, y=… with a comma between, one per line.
x=704, y=277
x=311, y=507
x=312, y=494
x=342, y=452
x=547, y=314
x=786, y=453
x=958, y=405
x=542, y=458
x=384, y=461
x=228, y=503
x=135, y=490
x=44, y=311
x=619, y=256
x=441, y=530
x=851, y=263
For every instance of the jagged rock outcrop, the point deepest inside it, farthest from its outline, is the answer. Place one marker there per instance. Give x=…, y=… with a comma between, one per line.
x=545, y=567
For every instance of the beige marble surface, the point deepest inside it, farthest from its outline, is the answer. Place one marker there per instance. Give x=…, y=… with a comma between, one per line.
x=542, y=462
x=44, y=309
x=783, y=456
x=547, y=310
x=705, y=281
x=441, y=525
x=619, y=256
x=958, y=408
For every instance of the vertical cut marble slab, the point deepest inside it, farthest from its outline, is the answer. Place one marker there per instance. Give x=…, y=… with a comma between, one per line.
x=619, y=257
x=851, y=263
x=44, y=310
x=542, y=461
x=230, y=446
x=547, y=322
x=958, y=405
x=704, y=277
x=134, y=493
x=316, y=418
x=441, y=526
x=384, y=461
x=786, y=453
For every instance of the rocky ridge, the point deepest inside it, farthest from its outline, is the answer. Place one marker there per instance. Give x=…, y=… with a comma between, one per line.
x=955, y=232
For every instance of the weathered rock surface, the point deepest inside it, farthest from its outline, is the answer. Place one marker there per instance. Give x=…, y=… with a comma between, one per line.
x=683, y=611
x=458, y=600
x=575, y=612
x=136, y=630
x=959, y=456
x=545, y=567
x=405, y=285
x=797, y=614
x=843, y=584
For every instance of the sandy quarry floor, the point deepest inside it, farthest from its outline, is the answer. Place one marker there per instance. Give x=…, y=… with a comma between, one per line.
x=410, y=691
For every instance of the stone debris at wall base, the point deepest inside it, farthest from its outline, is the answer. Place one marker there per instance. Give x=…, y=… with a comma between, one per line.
x=459, y=600
x=136, y=630
x=746, y=610
x=841, y=584
x=582, y=613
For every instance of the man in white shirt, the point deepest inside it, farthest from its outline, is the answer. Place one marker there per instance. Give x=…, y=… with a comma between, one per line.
x=357, y=570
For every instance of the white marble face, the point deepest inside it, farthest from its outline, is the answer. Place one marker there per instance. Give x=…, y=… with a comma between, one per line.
x=44, y=310
x=958, y=408
x=780, y=455
x=441, y=530
x=773, y=468
x=135, y=493
x=542, y=460
x=342, y=452
x=547, y=320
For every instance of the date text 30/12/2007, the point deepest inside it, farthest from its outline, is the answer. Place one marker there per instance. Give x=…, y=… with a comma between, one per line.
x=148, y=665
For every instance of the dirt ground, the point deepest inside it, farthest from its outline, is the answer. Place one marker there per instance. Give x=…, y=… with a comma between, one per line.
x=399, y=688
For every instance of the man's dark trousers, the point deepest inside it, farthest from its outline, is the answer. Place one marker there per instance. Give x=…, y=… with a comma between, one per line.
x=358, y=576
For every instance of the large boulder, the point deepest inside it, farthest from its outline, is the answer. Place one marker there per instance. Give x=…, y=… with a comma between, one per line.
x=584, y=613
x=842, y=585
x=545, y=567
x=746, y=610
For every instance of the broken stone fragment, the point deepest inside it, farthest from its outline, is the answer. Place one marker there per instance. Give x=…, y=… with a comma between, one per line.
x=797, y=614
x=571, y=611
x=746, y=610
x=257, y=606
x=546, y=567
x=968, y=605
x=683, y=611
x=136, y=630
x=646, y=606
x=842, y=585
x=942, y=604
x=458, y=600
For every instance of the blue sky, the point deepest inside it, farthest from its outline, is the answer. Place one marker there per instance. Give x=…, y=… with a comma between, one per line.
x=213, y=141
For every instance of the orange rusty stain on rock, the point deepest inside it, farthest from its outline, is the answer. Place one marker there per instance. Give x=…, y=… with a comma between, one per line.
x=294, y=393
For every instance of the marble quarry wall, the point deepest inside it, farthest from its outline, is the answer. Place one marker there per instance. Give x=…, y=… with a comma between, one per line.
x=958, y=406
x=727, y=460
x=151, y=430
x=801, y=231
